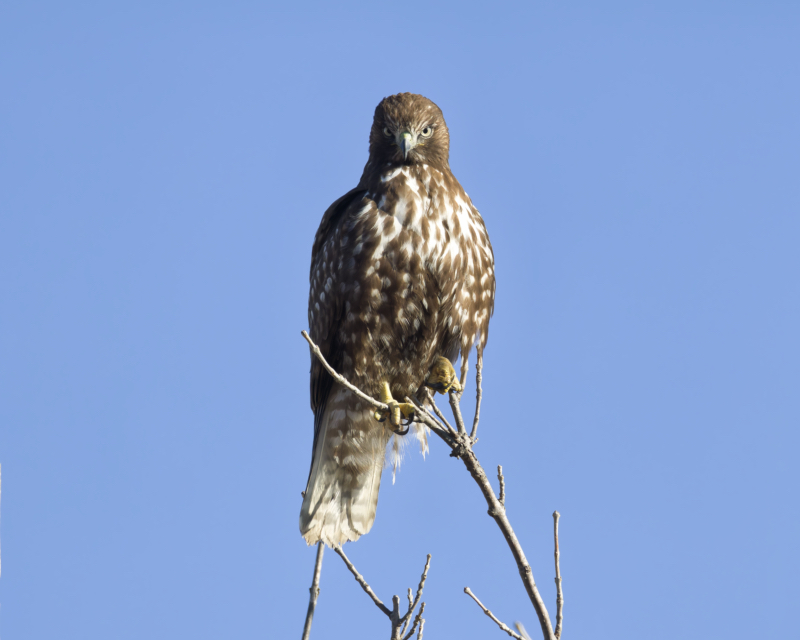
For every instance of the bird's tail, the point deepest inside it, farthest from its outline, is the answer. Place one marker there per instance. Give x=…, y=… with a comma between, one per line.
x=342, y=493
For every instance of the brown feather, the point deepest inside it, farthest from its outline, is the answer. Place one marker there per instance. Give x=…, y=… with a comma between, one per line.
x=402, y=271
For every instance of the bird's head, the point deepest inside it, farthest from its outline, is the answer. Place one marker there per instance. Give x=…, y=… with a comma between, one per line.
x=409, y=129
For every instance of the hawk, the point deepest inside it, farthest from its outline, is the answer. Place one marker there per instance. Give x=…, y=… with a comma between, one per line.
x=402, y=281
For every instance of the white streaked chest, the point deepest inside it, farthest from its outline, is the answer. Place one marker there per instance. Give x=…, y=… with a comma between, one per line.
x=416, y=210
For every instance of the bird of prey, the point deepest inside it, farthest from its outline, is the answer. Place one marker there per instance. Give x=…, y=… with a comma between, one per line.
x=402, y=281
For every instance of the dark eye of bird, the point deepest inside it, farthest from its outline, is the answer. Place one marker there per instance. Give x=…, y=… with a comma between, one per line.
x=386, y=132
x=427, y=131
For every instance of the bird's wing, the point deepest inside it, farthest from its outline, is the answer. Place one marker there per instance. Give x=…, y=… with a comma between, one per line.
x=330, y=219
x=324, y=303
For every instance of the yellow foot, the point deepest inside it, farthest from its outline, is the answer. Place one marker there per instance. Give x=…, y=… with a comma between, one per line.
x=396, y=409
x=442, y=376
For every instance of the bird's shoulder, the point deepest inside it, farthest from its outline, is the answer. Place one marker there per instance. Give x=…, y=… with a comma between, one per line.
x=332, y=216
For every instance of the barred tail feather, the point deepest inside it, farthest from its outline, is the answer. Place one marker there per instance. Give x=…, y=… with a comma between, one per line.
x=342, y=492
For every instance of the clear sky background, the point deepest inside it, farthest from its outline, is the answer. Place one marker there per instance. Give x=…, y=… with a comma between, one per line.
x=163, y=169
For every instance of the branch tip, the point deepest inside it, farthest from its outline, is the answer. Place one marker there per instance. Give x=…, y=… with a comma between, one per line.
x=559, y=593
x=502, y=625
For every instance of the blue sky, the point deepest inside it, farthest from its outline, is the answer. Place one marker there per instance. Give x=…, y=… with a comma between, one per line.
x=164, y=167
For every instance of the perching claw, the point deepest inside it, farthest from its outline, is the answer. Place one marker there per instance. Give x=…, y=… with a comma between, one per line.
x=442, y=376
x=396, y=411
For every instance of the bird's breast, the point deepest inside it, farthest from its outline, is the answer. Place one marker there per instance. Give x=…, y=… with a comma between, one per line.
x=422, y=211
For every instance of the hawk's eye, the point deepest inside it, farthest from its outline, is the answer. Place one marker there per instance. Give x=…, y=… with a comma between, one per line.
x=386, y=132
x=426, y=132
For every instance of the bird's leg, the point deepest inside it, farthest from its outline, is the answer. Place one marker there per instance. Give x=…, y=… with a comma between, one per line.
x=396, y=409
x=442, y=376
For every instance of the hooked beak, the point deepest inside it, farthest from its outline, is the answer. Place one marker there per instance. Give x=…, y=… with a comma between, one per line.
x=406, y=142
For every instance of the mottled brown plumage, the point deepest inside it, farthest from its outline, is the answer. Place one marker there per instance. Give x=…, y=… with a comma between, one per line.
x=402, y=271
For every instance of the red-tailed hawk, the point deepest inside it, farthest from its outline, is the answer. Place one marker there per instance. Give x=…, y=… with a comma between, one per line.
x=402, y=272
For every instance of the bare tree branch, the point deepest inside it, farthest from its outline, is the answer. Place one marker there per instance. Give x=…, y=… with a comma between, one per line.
x=497, y=511
x=438, y=412
x=455, y=398
x=341, y=379
x=417, y=621
x=399, y=623
x=502, y=480
x=314, y=591
x=395, y=617
x=478, y=397
x=412, y=604
x=492, y=616
x=461, y=445
x=423, y=416
x=559, y=594
x=360, y=579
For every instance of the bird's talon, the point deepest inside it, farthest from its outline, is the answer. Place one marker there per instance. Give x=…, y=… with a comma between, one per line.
x=442, y=377
x=395, y=411
x=407, y=409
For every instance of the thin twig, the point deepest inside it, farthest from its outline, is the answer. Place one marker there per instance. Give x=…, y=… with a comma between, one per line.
x=314, y=591
x=439, y=414
x=395, y=615
x=502, y=498
x=498, y=512
x=421, y=625
x=417, y=620
x=360, y=579
x=420, y=587
x=341, y=379
x=521, y=628
x=461, y=446
x=492, y=616
x=424, y=416
x=559, y=594
x=455, y=398
x=422, y=580
x=478, y=396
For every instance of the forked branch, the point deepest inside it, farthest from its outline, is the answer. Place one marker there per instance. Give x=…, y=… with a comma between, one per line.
x=399, y=623
x=461, y=444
